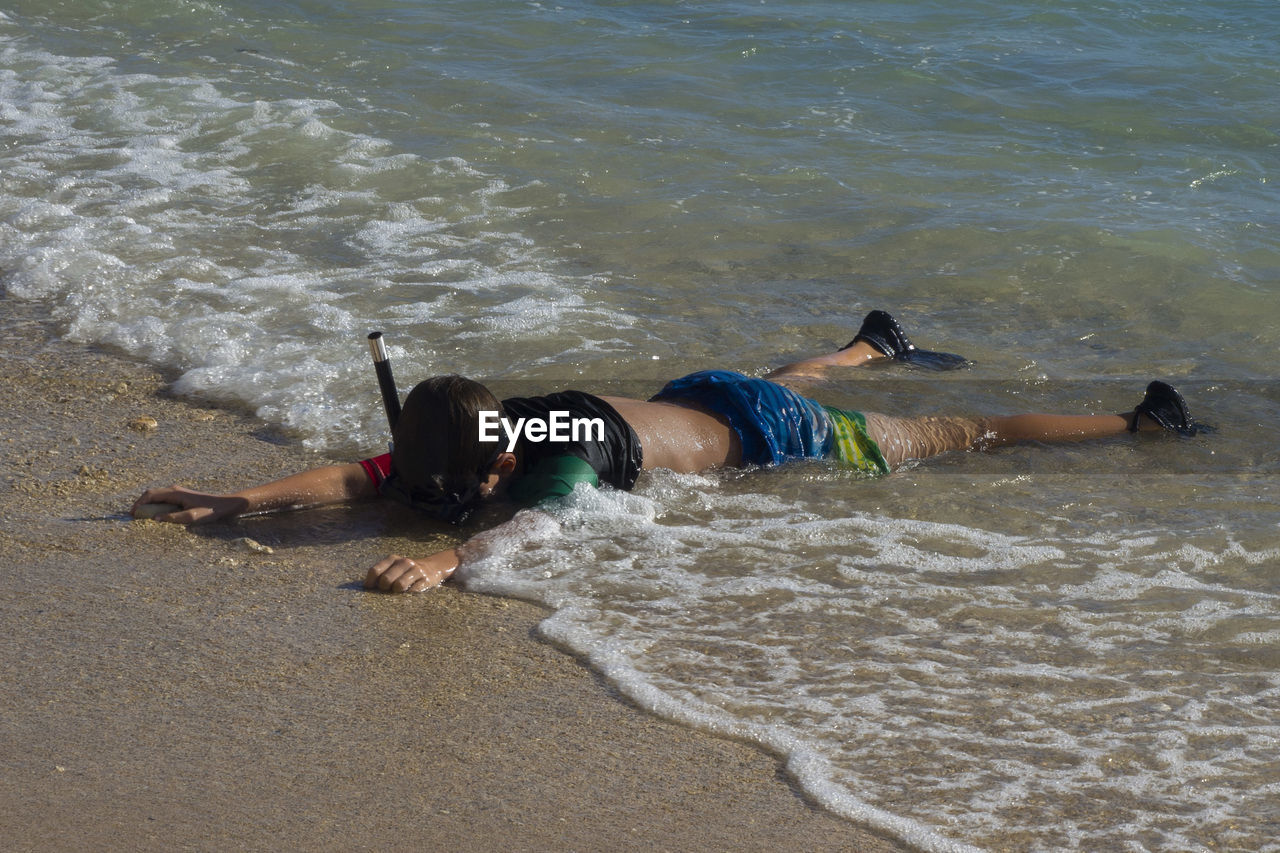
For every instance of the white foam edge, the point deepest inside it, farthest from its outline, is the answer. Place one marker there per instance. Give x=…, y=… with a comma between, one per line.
x=812, y=772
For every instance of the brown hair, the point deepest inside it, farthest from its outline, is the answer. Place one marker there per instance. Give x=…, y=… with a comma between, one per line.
x=437, y=448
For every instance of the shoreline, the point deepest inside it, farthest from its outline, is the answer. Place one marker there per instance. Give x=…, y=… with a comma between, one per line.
x=232, y=686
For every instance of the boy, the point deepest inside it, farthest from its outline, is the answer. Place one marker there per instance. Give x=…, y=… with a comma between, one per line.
x=455, y=445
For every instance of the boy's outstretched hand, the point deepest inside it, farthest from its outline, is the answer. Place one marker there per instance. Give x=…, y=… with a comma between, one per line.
x=401, y=574
x=193, y=507
x=318, y=486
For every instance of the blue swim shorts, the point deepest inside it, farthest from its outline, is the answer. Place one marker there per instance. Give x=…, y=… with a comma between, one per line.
x=775, y=423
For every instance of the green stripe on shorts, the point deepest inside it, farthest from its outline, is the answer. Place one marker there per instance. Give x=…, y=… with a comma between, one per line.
x=850, y=444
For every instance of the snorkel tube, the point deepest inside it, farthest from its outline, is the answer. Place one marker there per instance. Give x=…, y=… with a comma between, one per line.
x=382, y=365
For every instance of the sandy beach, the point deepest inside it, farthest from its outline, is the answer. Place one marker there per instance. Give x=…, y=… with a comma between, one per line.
x=233, y=687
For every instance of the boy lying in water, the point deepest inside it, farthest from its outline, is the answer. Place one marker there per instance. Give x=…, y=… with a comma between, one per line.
x=455, y=445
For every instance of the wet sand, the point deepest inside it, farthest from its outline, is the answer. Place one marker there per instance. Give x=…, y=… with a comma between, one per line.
x=233, y=687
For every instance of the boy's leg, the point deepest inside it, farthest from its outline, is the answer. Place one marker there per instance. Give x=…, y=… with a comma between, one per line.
x=858, y=352
x=1011, y=429
x=879, y=338
x=901, y=439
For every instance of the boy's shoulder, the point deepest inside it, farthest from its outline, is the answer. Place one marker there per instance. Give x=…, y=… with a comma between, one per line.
x=552, y=476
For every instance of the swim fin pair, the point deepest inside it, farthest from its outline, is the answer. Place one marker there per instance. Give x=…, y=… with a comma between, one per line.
x=881, y=331
x=1162, y=402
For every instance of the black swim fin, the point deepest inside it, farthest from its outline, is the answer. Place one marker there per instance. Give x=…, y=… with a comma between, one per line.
x=1164, y=405
x=881, y=331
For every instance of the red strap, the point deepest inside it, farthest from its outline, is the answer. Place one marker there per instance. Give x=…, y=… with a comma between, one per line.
x=378, y=468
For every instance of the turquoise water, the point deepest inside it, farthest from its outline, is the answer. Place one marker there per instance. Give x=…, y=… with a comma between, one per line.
x=1035, y=649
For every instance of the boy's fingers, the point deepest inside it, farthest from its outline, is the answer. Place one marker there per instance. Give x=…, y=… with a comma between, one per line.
x=383, y=573
x=399, y=574
x=187, y=516
x=406, y=572
x=168, y=494
x=150, y=496
x=375, y=571
x=173, y=495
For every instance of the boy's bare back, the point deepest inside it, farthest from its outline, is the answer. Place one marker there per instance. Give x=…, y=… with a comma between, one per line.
x=680, y=437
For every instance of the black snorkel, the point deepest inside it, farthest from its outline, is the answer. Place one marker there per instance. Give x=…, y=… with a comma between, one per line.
x=382, y=365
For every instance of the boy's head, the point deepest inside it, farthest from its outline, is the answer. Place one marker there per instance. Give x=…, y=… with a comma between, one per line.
x=438, y=458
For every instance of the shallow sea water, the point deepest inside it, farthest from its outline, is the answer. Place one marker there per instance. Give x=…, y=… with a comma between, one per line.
x=1040, y=648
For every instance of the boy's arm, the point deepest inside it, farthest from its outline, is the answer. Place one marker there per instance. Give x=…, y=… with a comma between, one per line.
x=402, y=574
x=329, y=484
